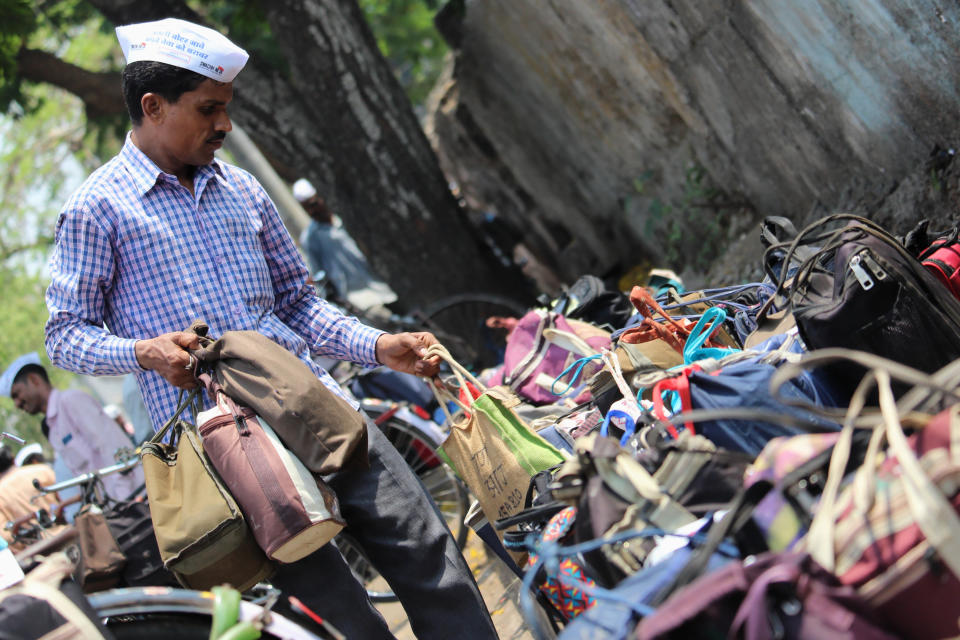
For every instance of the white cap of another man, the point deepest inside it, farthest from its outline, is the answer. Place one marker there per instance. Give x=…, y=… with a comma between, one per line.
x=182, y=44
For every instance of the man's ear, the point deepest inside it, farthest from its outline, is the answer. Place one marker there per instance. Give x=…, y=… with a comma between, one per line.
x=154, y=107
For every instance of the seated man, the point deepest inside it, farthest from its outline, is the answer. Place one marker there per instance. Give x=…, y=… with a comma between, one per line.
x=18, y=497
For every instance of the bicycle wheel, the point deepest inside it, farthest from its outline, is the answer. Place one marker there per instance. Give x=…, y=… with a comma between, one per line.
x=415, y=439
x=459, y=322
x=159, y=613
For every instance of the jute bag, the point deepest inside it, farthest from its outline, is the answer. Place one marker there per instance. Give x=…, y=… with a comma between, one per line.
x=490, y=447
x=202, y=535
x=326, y=433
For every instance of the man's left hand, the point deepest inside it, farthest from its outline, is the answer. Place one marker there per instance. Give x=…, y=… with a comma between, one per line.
x=404, y=352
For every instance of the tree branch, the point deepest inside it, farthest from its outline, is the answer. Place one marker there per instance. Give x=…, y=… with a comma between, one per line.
x=100, y=92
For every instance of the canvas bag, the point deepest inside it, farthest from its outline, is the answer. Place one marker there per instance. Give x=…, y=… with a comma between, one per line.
x=893, y=532
x=201, y=532
x=541, y=347
x=491, y=448
x=101, y=560
x=290, y=512
x=327, y=434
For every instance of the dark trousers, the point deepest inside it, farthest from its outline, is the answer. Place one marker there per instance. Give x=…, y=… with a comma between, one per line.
x=393, y=518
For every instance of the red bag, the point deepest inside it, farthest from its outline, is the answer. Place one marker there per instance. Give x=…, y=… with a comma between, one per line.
x=944, y=263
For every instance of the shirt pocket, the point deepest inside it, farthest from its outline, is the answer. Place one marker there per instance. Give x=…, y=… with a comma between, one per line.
x=242, y=245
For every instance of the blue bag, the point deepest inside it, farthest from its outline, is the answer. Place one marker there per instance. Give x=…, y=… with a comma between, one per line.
x=746, y=385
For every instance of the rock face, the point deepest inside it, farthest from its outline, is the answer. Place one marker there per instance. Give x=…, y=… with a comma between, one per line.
x=614, y=132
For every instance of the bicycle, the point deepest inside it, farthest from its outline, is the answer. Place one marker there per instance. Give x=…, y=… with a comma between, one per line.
x=144, y=613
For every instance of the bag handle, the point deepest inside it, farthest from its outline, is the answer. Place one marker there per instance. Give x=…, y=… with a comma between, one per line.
x=568, y=341
x=808, y=234
x=159, y=435
x=931, y=510
x=944, y=381
x=462, y=375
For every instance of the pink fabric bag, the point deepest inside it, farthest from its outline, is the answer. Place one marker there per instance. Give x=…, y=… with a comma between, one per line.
x=291, y=512
x=541, y=347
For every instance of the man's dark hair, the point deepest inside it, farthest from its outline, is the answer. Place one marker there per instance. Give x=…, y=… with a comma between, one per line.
x=6, y=459
x=163, y=79
x=27, y=369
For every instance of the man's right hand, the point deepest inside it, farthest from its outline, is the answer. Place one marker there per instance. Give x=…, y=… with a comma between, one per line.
x=167, y=355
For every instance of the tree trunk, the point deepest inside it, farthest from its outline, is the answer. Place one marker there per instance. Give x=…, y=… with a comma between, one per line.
x=341, y=119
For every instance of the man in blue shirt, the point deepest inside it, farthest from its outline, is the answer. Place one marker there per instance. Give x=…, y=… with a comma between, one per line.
x=164, y=234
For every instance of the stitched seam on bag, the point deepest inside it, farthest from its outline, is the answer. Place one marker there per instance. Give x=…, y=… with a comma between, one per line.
x=292, y=518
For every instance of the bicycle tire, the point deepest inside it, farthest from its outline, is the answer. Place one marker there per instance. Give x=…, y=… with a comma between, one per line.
x=459, y=322
x=416, y=446
x=159, y=613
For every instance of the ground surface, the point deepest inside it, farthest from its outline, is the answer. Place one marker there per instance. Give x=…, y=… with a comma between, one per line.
x=500, y=589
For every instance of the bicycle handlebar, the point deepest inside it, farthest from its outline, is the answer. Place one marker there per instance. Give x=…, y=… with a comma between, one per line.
x=129, y=463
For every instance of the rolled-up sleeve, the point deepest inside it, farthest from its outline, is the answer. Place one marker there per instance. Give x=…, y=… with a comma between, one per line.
x=81, y=271
x=328, y=332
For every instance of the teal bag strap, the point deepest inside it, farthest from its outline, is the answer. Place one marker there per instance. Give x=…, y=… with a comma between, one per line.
x=579, y=364
x=706, y=326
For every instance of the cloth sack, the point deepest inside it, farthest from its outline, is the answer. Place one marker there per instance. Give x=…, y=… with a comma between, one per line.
x=544, y=345
x=491, y=448
x=893, y=531
x=201, y=532
x=290, y=512
x=778, y=595
x=326, y=432
x=746, y=384
x=101, y=560
x=554, y=584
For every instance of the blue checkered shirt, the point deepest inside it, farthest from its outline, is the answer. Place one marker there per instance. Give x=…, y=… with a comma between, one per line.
x=137, y=255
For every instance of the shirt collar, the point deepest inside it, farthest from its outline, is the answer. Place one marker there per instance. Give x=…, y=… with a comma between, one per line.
x=53, y=405
x=146, y=173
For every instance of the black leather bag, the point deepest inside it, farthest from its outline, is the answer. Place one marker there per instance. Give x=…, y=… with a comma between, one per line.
x=132, y=528
x=863, y=290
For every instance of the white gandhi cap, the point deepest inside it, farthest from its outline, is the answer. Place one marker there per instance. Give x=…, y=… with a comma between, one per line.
x=182, y=44
x=6, y=380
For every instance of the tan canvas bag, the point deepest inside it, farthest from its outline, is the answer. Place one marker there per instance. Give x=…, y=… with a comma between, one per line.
x=202, y=535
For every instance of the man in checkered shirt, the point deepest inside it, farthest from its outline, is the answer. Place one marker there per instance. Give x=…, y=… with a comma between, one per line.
x=164, y=234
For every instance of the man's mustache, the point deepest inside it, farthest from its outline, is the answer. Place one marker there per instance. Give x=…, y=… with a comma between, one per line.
x=218, y=137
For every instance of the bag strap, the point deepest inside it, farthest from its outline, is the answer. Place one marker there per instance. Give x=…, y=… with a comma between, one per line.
x=442, y=394
x=159, y=435
x=932, y=512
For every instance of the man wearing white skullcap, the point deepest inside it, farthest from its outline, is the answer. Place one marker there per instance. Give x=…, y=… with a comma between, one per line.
x=166, y=233
x=82, y=436
x=329, y=248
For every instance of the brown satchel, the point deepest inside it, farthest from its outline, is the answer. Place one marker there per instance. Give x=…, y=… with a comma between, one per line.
x=326, y=433
x=101, y=559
